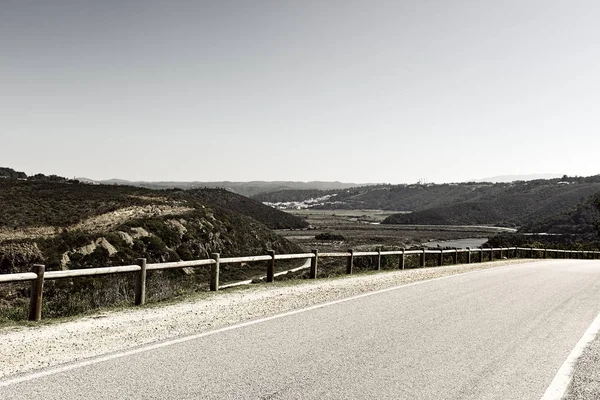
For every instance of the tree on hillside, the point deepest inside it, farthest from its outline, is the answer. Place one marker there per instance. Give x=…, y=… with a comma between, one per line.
x=11, y=173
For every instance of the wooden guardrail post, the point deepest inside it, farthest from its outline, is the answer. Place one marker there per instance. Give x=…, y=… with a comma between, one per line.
x=271, y=266
x=314, y=263
x=214, y=272
x=140, y=283
x=37, y=285
x=350, y=262
x=402, y=259
x=37, y=292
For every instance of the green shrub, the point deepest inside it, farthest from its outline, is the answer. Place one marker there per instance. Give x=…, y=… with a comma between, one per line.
x=329, y=236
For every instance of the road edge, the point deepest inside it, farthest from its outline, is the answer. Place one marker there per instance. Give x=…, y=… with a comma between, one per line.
x=559, y=385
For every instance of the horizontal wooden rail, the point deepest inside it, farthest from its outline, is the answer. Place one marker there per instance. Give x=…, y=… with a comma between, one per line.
x=230, y=260
x=39, y=275
x=365, y=253
x=76, y=273
x=413, y=252
x=334, y=254
x=179, y=264
x=22, y=277
x=293, y=256
x=392, y=253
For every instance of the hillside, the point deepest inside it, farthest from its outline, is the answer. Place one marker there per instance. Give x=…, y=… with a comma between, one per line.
x=59, y=217
x=71, y=225
x=581, y=219
x=269, y=216
x=506, y=204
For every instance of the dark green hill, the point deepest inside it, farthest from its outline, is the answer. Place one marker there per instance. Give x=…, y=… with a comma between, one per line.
x=9, y=173
x=580, y=219
x=269, y=216
x=70, y=225
x=43, y=212
x=467, y=213
x=504, y=204
x=418, y=197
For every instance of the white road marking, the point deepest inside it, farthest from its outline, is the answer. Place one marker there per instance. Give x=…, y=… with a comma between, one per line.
x=560, y=383
x=113, y=356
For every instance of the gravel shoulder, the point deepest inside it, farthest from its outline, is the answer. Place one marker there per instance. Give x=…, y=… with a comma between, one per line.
x=28, y=348
x=586, y=378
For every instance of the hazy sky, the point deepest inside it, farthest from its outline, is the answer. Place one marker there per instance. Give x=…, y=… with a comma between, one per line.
x=356, y=91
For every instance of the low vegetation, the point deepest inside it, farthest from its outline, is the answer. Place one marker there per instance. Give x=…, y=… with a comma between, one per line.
x=70, y=225
x=580, y=219
x=330, y=236
x=577, y=227
x=269, y=216
x=504, y=204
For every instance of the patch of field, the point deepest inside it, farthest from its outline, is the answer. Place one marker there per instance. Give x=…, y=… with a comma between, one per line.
x=361, y=229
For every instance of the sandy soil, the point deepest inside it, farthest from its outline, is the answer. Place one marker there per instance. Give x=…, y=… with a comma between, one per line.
x=98, y=223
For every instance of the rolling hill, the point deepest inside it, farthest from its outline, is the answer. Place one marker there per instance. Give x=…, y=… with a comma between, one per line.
x=581, y=219
x=69, y=225
x=507, y=204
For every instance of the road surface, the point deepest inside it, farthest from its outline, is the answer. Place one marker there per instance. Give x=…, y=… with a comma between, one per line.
x=501, y=333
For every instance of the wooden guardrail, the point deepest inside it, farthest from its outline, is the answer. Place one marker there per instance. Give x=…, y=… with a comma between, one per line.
x=39, y=274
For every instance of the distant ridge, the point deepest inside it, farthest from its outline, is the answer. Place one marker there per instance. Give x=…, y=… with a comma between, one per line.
x=513, y=178
x=244, y=188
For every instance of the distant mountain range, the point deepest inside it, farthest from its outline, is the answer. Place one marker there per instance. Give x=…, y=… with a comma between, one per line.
x=244, y=188
x=254, y=188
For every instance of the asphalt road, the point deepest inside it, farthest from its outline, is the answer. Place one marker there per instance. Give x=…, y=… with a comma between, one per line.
x=501, y=333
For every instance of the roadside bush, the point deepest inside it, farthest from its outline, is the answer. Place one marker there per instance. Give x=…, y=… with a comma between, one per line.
x=329, y=236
